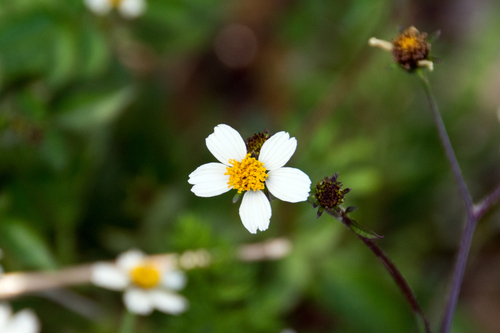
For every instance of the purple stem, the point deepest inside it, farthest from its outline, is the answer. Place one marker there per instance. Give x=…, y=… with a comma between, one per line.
x=448, y=148
x=474, y=213
x=486, y=204
x=463, y=253
x=391, y=268
x=458, y=273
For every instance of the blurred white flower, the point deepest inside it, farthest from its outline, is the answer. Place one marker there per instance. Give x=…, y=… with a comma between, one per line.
x=147, y=285
x=24, y=321
x=1, y=267
x=127, y=8
x=240, y=171
x=288, y=330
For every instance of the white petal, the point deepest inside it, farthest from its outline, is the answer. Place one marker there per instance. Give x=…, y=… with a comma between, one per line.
x=5, y=313
x=168, y=302
x=138, y=301
x=225, y=143
x=175, y=280
x=25, y=321
x=277, y=150
x=132, y=8
x=128, y=260
x=289, y=184
x=255, y=211
x=209, y=180
x=99, y=7
x=109, y=276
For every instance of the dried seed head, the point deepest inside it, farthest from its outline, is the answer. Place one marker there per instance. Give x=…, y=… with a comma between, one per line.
x=411, y=49
x=329, y=193
x=255, y=143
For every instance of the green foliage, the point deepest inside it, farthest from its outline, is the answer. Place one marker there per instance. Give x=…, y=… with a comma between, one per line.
x=103, y=118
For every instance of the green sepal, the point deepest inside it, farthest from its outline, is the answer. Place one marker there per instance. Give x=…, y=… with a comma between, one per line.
x=237, y=197
x=320, y=212
x=350, y=209
x=313, y=200
x=363, y=231
x=434, y=36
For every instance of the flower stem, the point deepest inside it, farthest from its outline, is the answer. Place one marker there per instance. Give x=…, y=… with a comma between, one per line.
x=398, y=278
x=458, y=273
x=448, y=148
x=391, y=268
x=128, y=322
x=463, y=253
x=489, y=201
x=474, y=213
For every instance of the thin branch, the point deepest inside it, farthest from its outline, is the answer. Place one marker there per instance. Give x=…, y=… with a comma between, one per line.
x=473, y=213
x=458, y=273
x=391, y=268
x=487, y=203
x=445, y=140
x=398, y=278
x=463, y=253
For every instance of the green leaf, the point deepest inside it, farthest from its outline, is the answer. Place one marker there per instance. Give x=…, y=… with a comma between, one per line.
x=91, y=110
x=363, y=231
x=25, y=245
x=95, y=54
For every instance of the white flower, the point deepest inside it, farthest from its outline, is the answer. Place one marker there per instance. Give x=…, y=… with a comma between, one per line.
x=25, y=321
x=1, y=267
x=147, y=284
x=238, y=170
x=127, y=8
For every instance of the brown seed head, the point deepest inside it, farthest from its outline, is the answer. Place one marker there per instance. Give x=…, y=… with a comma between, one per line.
x=411, y=47
x=254, y=143
x=329, y=193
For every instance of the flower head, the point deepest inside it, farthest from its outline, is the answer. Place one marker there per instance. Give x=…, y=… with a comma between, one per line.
x=255, y=143
x=147, y=284
x=251, y=168
x=329, y=194
x=127, y=8
x=410, y=49
x=25, y=321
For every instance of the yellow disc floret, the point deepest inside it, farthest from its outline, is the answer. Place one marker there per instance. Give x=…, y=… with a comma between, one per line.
x=249, y=174
x=411, y=48
x=145, y=275
x=115, y=3
x=408, y=42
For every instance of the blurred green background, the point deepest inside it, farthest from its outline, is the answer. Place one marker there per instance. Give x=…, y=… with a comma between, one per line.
x=103, y=118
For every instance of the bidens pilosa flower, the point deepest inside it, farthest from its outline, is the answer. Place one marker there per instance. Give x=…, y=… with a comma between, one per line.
x=410, y=49
x=250, y=168
x=127, y=8
x=147, y=284
x=24, y=321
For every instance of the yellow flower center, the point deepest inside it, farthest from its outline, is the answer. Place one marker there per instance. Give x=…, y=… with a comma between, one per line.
x=409, y=42
x=115, y=3
x=249, y=174
x=145, y=275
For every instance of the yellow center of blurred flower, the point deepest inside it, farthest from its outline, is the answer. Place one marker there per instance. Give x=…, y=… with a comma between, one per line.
x=115, y=3
x=409, y=42
x=249, y=174
x=145, y=275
